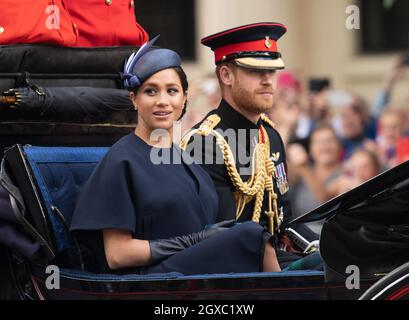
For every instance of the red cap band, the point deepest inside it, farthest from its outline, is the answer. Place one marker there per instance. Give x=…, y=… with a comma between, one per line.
x=257, y=45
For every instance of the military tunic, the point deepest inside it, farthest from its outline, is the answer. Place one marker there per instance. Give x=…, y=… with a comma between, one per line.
x=241, y=134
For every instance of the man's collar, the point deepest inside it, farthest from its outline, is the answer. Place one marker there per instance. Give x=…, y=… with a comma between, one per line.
x=235, y=119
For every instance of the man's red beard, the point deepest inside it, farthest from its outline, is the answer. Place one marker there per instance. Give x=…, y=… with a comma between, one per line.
x=251, y=101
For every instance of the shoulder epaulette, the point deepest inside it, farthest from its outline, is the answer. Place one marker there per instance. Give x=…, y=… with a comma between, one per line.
x=206, y=128
x=209, y=124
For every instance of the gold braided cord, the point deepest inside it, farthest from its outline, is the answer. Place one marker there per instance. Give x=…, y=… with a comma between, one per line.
x=262, y=173
x=241, y=202
x=243, y=187
x=258, y=203
x=272, y=212
x=267, y=120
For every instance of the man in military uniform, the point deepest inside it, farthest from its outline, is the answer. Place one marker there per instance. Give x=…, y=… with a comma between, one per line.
x=236, y=143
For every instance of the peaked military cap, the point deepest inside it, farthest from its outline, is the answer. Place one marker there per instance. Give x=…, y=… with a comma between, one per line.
x=250, y=46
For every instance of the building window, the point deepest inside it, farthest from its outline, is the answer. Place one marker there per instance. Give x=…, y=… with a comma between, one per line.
x=173, y=20
x=385, y=25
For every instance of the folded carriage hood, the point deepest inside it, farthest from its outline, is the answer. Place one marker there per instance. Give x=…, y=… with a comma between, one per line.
x=367, y=227
x=389, y=181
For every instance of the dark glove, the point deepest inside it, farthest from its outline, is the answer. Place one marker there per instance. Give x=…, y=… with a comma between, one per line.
x=164, y=248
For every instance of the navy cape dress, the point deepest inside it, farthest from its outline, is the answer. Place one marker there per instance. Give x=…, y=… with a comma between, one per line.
x=130, y=191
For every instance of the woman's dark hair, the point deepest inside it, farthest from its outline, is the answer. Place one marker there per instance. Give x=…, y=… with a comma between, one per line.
x=185, y=86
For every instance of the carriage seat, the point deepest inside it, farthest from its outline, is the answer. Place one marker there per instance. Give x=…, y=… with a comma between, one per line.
x=50, y=180
x=56, y=176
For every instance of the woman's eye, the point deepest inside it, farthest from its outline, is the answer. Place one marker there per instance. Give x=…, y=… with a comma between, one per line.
x=150, y=91
x=173, y=90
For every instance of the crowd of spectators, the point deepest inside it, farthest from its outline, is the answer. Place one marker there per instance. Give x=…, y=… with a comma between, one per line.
x=337, y=141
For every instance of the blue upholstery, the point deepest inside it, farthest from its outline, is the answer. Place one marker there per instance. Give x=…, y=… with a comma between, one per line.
x=60, y=172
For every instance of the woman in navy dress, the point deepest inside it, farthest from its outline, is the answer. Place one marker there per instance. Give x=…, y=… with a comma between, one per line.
x=145, y=208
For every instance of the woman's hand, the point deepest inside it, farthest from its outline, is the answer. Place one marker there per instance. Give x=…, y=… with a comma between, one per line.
x=122, y=251
x=212, y=229
x=164, y=248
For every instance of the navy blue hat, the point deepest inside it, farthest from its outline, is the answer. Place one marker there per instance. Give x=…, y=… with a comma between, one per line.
x=252, y=46
x=146, y=62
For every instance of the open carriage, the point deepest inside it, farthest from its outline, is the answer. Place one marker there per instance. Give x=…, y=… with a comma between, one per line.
x=50, y=155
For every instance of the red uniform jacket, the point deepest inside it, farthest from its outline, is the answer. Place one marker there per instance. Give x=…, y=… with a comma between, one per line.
x=36, y=21
x=83, y=23
x=106, y=23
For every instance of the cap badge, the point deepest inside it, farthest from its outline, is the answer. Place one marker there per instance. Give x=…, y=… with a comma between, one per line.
x=268, y=43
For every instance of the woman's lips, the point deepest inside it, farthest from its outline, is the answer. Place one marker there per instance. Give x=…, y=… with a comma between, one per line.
x=162, y=114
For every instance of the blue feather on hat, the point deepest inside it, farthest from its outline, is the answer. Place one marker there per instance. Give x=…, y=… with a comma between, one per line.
x=130, y=79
